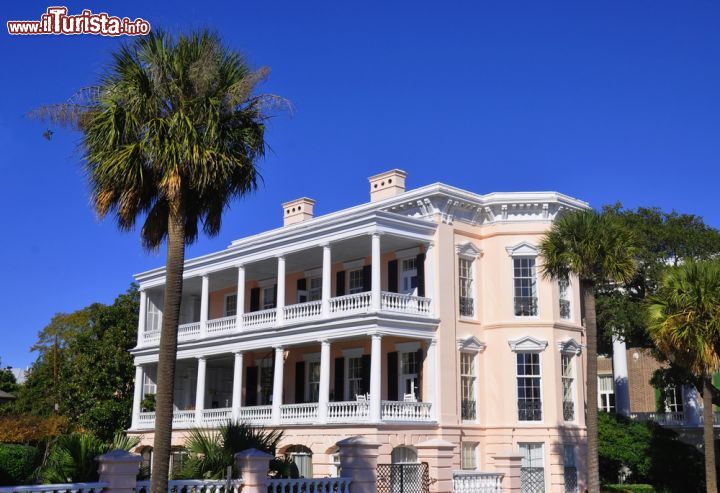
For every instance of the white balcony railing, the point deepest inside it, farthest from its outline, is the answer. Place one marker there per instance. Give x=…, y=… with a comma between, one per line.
x=188, y=331
x=299, y=413
x=220, y=325
x=216, y=417
x=405, y=303
x=260, y=319
x=182, y=418
x=477, y=482
x=303, y=311
x=348, y=412
x=405, y=411
x=152, y=336
x=351, y=303
x=256, y=415
x=309, y=485
x=667, y=419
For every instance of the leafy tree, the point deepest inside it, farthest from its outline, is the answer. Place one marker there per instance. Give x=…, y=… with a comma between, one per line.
x=684, y=323
x=171, y=133
x=8, y=382
x=598, y=249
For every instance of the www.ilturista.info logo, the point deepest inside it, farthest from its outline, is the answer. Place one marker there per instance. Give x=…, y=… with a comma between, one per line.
x=57, y=21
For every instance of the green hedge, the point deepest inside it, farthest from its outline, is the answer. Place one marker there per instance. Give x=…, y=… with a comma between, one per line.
x=628, y=488
x=18, y=463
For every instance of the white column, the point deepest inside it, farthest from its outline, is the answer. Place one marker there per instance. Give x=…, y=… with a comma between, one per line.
x=204, y=299
x=375, y=284
x=142, y=322
x=280, y=301
x=237, y=385
x=278, y=384
x=620, y=375
x=430, y=276
x=324, y=390
x=240, y=297
x=326, y=280
x=431, y=379
x=200, y=389
x=375, y=378
x=138, y=396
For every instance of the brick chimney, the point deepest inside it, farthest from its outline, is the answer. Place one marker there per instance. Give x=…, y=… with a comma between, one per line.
x=297, y=210
x=387, y=184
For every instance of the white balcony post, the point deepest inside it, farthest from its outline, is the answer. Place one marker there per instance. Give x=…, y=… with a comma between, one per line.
x=324, y=390
x=280, y=301
x=375, y=379
x=200, y=389
x=430, y=276
x=237, y=385
x=375, y=284
x=326, y=280
x=240, y=305
x=432, y=374
x=204, y=298
x=142, y=322
x=137, y=396
x=278, y=384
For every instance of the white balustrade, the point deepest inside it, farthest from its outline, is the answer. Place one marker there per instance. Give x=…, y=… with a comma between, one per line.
x=184, y=418
x=216, y=417
x=405, y=411
x=309, y=485
x=303, y=311
x=348, y=411
x=477, y=482
x=667, y=419
x=260, y=319
x=351, y=303
x=405, y=303
x=189, y=331
x=146, y=420
x=195, y=486
x=299, y=413
x=151, y=336
x=255, y=414
x=221, y=325
x=56, y=488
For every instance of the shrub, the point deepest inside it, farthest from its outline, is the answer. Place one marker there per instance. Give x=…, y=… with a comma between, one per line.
x=18, y=463
x=31, y=429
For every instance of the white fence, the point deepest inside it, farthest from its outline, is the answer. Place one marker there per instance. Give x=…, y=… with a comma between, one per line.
x=476, y=482
x=405, y=303
x=196, y=486
x=299, y=413
x=348, y=411
x=56, y=488
x=406, y=411
x=307, y=485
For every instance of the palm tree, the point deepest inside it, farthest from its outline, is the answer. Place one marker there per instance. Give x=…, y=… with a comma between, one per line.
x=171, y=134
x=684, y=323
x=596, y=248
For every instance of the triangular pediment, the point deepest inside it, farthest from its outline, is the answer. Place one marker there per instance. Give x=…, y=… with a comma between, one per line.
x=468, y=250
x=570, y=346
x=528, y=343
x=471, y=343
x=524, y=248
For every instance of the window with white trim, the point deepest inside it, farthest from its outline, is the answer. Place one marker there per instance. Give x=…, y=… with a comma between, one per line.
x=564, y=287
x=467, y=386
x=154, y=317
x=408, y=276
x=354, y=377
x=355, y=281
x=528, y=386
x=313, y=380
x=150, y=380
x=269, y=298
x=302, y=457
x=533, y=455
x=315, y=288
x=606, y=393
x=567, y=382
x=409, y=369
x=466, y=295
x=230, y=305
x=525, y=286
x=469, y=456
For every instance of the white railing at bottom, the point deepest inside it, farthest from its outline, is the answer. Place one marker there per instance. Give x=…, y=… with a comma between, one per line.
x=351, y=303
x=300, y=311
x=299, y=413
x=406, y=411
x=669, y=419
x=56, y=488
x=262, y=318
x=308, y=485
x=220, y=325
x=256, y=414
x=195, y=486
x=477, y=482
x=405, y=303
x=216, y=416
x=190, y=330
x=348, y=411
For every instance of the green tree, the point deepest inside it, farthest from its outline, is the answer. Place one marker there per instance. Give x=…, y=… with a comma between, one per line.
x=684, y=323
x=172, y=133
x=597, y=248
x=8, y=382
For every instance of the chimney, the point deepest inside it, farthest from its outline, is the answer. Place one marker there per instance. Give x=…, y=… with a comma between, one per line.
x=387, y=184
x=297, y=210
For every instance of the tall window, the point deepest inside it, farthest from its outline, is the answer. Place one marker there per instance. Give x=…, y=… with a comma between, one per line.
x=230, y=305
x=269, y=298
x=150, y=381
x=154, y=317
x=315, y=291
x=409, y=373
x=302, y=457
x=355, y=281
x=469, y=455
x=465, y=278
x=354, y=377
x=467, y=384
x=313, y=369
x=567, y=377
x=265, y=381
x=528, y=387
x=525, y=283
x=409, y=276
x=606, y=393
x=570, y=472
x=564, y=285
x=532, y=467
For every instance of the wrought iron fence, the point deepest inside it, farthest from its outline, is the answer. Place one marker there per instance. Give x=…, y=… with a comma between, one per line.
x=529, y=410
x=532, y=479
x=525, y=306
x=466, y=307
x=469, y=409
x=564, y=308
x=568, y=411
x=403, y=478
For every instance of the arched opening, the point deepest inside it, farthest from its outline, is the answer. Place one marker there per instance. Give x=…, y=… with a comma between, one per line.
x=302, y=457
x=404, y=455
x=405, y=471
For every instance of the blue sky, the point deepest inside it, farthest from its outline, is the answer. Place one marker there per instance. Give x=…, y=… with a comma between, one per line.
x=606, y=101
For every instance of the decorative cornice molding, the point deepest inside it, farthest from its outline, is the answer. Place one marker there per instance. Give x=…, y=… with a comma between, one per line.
x=527, y=343
x=471, y=344
x=522, y=249
x=570, y=346
x=468, y=250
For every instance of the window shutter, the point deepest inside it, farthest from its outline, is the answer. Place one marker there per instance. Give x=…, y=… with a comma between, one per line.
x=393, y=276
x=419, y=359
x=340, y=283
x=251, y=377
x=367, y=277
x=420, y=266
x=276, y=294
x=254, y=299
x=339, y=379
x=366, y=373
x=299, y=382
x=392, y=373
x=302, y=284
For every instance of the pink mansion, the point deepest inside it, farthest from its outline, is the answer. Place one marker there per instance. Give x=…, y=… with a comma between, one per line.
x=418, y=318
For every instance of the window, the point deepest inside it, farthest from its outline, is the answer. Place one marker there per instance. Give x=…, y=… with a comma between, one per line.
x=150, y=380
x=265, y=381
x=567, y=380
x=467, y=384
x=315, y=291
x=403, y=455
x=525, y=282
x=528, y=387
x=269, y=298
x=146, y=460
x=154, y=317
x=469, y=455
x=564, y=287
x=313, y=379
x=354, y=377
x=570, y=473
x=335, y=468
x=355, y=281
x=177, y=461
x=230, y=305
x=532, y=467
x=409, y=373
x=302, y=457
x=606, y=393
x=673, y=400
x=409, y=276
x=465, y=276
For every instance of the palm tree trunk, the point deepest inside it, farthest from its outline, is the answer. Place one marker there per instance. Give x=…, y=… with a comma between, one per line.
x=591, y=417
x=709, y=438
x=168, y=348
